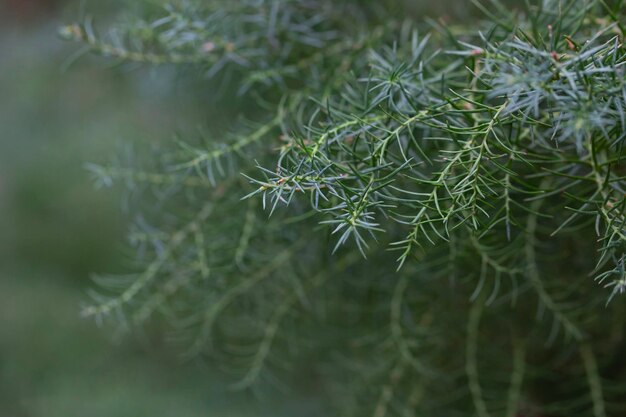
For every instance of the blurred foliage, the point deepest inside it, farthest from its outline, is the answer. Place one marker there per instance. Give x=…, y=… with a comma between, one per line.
x=56, y=229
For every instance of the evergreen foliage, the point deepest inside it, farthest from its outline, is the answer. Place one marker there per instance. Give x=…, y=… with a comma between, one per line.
x=405, y=217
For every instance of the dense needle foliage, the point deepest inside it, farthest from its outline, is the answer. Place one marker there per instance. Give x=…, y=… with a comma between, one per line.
x=403, y=217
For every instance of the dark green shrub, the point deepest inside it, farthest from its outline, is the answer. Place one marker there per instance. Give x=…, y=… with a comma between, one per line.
x=404, y=216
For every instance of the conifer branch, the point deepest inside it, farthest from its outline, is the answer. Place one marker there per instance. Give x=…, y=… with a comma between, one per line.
x=593, y=378
x=488, y=158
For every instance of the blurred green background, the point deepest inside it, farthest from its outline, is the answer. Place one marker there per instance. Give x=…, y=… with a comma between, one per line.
x=56, y=228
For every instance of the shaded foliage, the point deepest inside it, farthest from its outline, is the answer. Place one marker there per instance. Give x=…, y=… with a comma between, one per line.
x=438, y=197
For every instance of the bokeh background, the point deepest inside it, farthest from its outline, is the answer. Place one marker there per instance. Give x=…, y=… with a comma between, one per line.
x=56, y=229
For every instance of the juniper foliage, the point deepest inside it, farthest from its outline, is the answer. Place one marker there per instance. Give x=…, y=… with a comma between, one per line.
x=416, y=217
